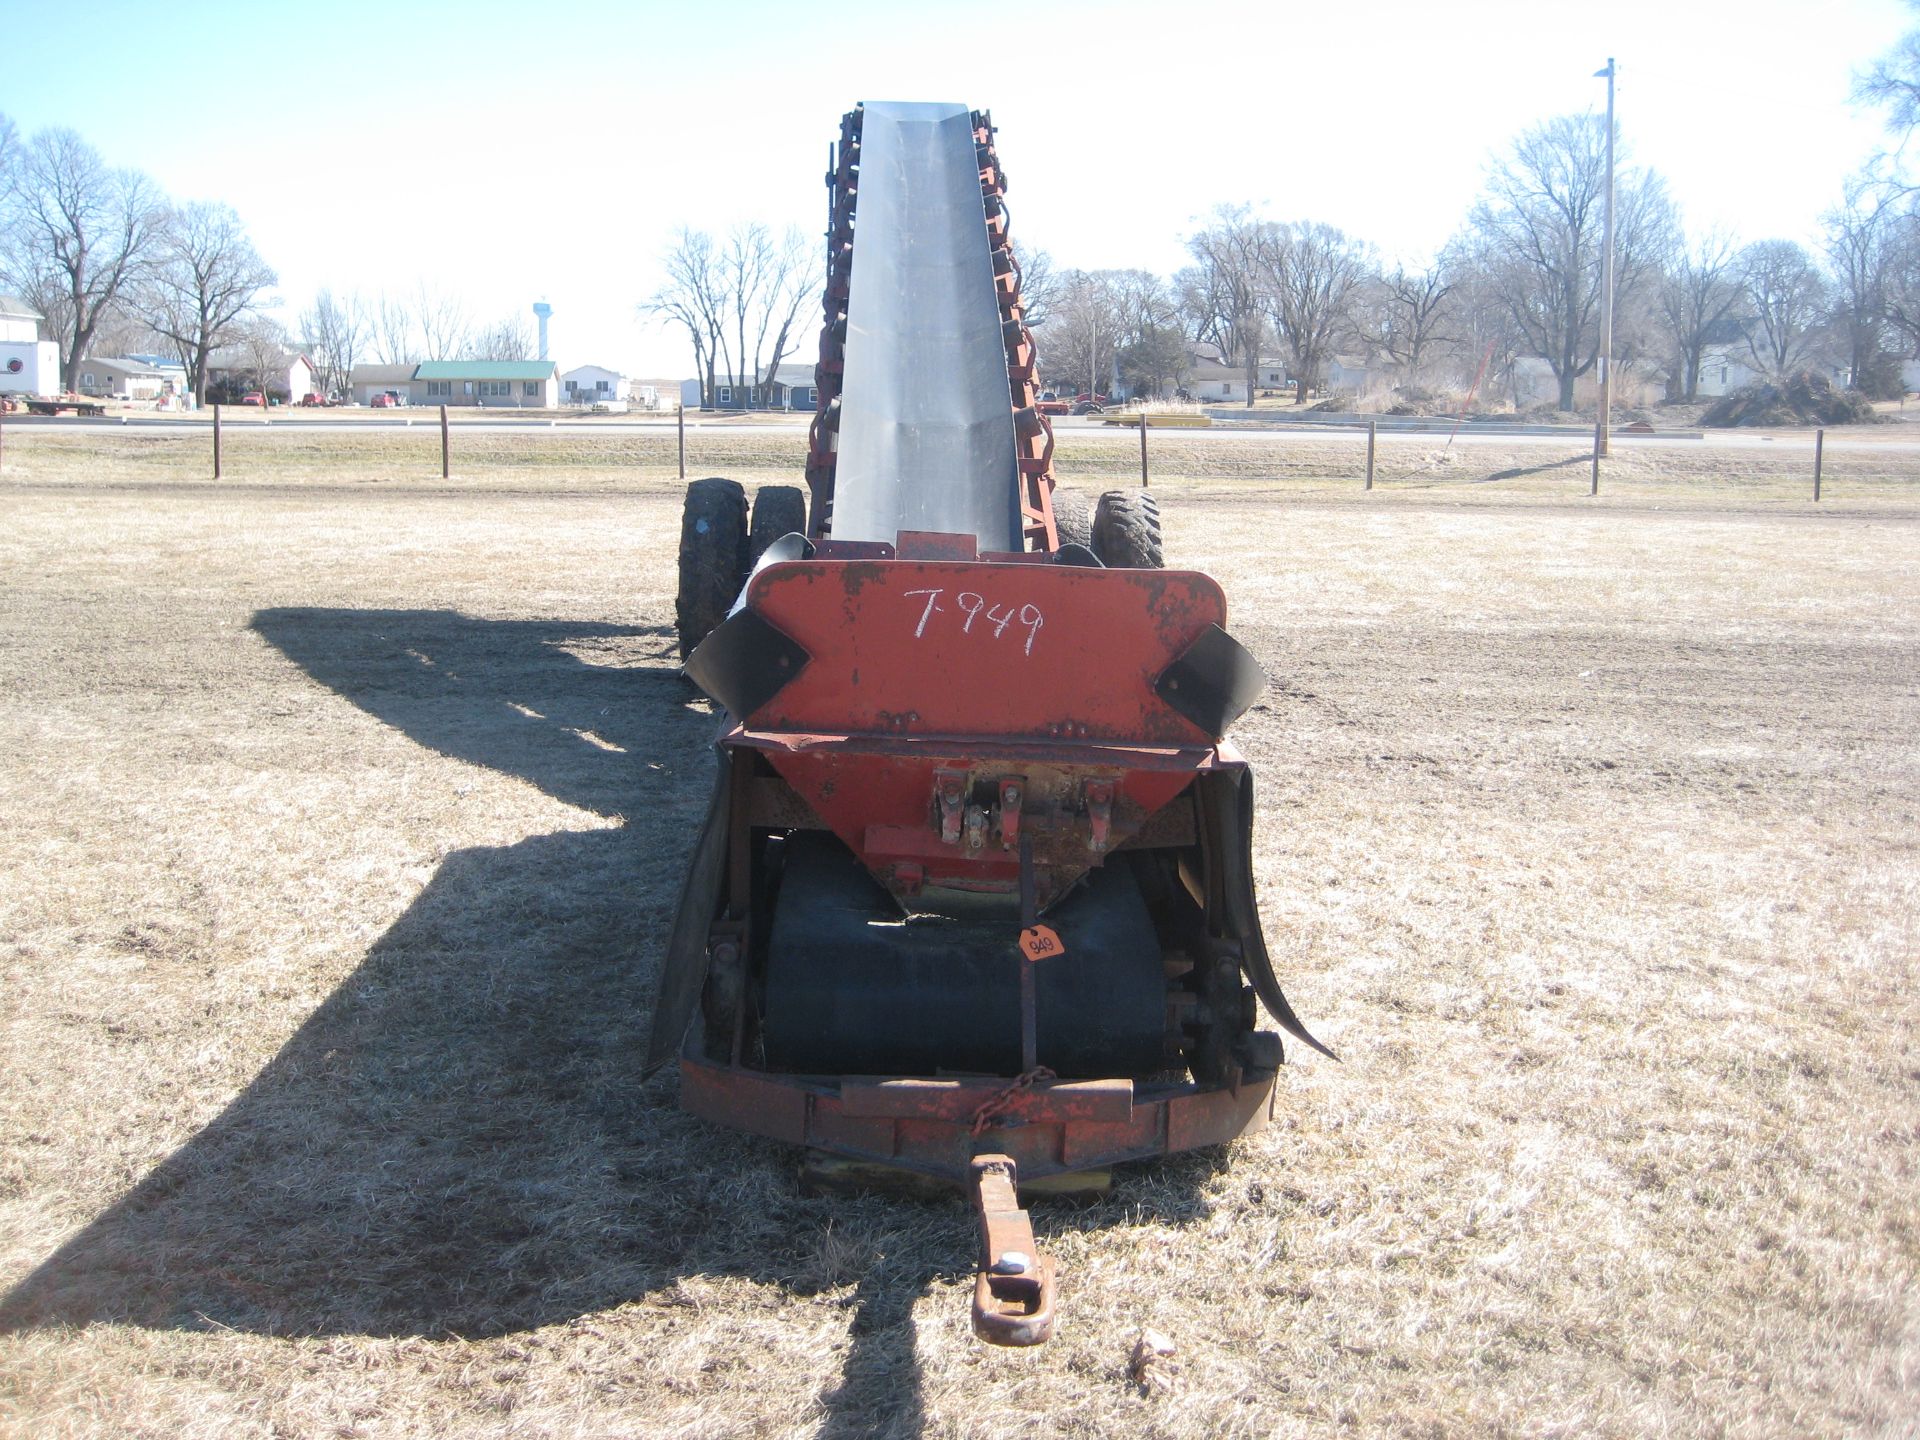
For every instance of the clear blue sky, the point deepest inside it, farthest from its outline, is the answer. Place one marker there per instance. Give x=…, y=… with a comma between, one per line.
x=508, y=151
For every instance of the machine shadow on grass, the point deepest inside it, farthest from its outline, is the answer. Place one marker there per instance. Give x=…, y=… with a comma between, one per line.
x=458, y=1141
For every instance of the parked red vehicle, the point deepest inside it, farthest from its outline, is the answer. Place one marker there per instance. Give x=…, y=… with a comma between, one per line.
x=385, y=400
x=253, y=397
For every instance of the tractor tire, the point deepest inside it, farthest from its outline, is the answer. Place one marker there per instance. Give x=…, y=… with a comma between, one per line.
x=1126, y=531
x=1072, y=517
x=713, y=557
x=777, y=510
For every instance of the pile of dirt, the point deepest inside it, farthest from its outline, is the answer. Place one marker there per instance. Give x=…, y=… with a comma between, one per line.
x=1804, y=398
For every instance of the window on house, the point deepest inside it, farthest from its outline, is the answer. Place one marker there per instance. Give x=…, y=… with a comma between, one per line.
x=1226, y=387
x=86, y=377
x=439, y=389
x=753, y=395
x=726, y=395
x=532, y=391
x=1723, y=374
x=600, y=386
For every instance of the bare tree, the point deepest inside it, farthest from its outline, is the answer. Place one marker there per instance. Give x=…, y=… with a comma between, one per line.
x=1083, y=331
x=696, y=298
x=1862, y=249
x=1483, y=343
x=768, y=283
x=1310, y=275
x=509, y=338
x=78, y=236
x=1409, y=316
x=441, y=322
x=333, y=331
x=1038, y=286
x=1539, y=225
x=1786, y=297
x=206, y=278
x=1699, y=294
x=261, y=346
x=1221, y=292
x=1892, y=83
x=390, y=329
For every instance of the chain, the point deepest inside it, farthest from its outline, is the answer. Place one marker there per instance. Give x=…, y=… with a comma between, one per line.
x=994, y=1106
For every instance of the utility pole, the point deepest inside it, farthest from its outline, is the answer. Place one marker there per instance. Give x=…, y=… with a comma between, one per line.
x=1603, y=432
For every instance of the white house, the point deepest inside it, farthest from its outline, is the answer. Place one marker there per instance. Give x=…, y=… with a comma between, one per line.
x=1209, y=377
x=176, y=386
x=1727, y=367
x=289, y=379
x=597, y=386
x=28, y=364
x=121, y=378
x=367, y=381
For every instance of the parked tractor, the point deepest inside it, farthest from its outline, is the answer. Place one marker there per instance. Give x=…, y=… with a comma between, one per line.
x=974, y=895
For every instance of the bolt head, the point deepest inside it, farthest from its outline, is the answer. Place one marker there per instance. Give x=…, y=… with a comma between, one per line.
x=1013, y=1262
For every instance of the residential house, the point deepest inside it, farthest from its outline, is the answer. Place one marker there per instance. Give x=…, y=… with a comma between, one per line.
x=234, y=370
x=520, y=384
x=19, y=321
x=1350, y=375
x=28, y=364
x=1211, y=378
x=366, y=381
x=597, y=386
x=792, y=389
x=121, y=378
x=176, y=386
x=1727, y=361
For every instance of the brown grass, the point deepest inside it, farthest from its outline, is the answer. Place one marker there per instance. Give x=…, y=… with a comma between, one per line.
x=343, y=816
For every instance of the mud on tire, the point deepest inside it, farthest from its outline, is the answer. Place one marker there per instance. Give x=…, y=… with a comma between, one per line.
x=1126, y=531
x=713, y=557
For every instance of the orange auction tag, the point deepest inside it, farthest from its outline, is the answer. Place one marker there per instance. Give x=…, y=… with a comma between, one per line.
x=1038, y=942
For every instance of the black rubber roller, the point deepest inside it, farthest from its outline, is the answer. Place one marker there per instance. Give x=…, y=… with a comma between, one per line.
x=853, y=988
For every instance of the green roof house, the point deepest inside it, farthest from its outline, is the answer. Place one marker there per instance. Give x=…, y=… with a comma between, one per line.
x=515, y=384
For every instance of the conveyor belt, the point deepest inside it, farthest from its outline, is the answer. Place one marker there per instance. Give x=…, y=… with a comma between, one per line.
x=926, y=436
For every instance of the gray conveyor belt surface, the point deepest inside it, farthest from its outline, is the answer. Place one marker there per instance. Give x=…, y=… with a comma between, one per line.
x=926, y=426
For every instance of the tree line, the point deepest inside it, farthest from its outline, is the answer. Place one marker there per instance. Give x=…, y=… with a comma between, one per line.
x=1519, y=281
x=115, y=267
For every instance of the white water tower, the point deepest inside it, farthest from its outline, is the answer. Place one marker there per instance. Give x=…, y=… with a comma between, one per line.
x=541, y=310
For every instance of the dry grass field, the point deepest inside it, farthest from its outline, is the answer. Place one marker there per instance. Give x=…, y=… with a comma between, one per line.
x=342, y=816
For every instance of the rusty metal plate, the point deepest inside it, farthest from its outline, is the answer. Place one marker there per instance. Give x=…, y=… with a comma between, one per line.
x=903, y=648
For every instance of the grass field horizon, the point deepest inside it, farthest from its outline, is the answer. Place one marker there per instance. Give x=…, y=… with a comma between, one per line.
x=345, y=816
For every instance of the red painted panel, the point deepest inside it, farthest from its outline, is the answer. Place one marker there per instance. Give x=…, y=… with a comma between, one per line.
x=906, y=647
x=1210, y=1117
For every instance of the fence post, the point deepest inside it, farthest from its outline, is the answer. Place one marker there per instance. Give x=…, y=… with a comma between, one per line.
x=1371, y=427
x=216, y=442
x=1819, y=446
x=680, y=424
x=1143, y=449
x=1593, y=486
x=443, y=442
